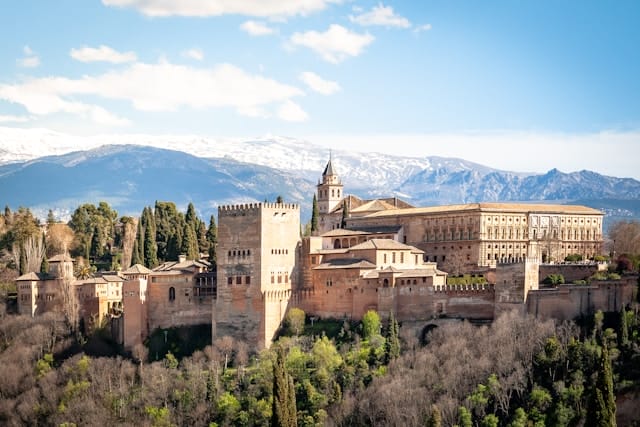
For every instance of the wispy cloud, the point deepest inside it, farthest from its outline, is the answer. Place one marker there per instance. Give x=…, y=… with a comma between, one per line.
x=102, y=54
x=422, y=28
x=335, y=44
x=157, y=87
x=30, y=59
x=318, y=84
x=382, y=16
x=194, y=53
x=292, y=112
x=259, y=8
x=14, y=119
x=255, y=28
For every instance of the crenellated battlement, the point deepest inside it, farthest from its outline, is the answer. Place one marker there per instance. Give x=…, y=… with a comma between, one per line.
x=252, y=208
x=467, y=288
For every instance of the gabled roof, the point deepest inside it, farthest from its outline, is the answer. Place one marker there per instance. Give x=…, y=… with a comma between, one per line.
x=342, y=263
x=33, y=277
x=373, y=206
x=60, y=258
x=385, y=244
x=490, y=207
x=176, y=265
x=137, y=269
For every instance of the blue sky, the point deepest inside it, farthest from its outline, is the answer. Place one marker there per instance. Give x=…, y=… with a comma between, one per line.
x=519, y=85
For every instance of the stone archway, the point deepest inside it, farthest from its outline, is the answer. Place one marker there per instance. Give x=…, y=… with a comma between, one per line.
x=426, y=332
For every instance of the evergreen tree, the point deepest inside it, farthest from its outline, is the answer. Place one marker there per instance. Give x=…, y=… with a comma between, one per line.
x=465, y=419
x=601, y=410
x=150, y=248
x=189, y=243
x=191, y=218
x=314, y=215
x=279, y=200
x=345, y=214
x=22, y=268
x=212, y=238
x=624, y=328
x=284, y=413
x=51, y=219
x=44, y=266
x=392, y=343
x=435, y=417
x=201, y=234
x=137, y=256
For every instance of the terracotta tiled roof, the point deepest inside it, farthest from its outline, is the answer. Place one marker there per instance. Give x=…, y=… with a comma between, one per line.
x=137, y=269
x=342, y=263
x=339, y=232
x=33, y=277
x=491, y=207
x=386, y=244
x=373, y=206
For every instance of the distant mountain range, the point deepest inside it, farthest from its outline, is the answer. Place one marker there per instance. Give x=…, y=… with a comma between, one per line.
x=40, y=170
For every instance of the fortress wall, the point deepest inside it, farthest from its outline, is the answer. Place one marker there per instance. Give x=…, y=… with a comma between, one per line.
x=571, y=272
x=185, y=309
x=134, y=322
x=570, y=301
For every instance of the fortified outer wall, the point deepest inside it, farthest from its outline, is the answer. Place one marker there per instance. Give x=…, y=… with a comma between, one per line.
x=571, y=272
x=571, y=301
x=513, y=283
x=170, y=302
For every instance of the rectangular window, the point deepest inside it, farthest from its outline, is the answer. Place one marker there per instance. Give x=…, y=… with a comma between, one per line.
x=229, y=280
x=238, y=280
x=393, y=257
x=247, y=280
x=401, y=257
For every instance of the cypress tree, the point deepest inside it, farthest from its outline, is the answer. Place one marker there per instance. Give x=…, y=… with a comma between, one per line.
x=137, y=257
x=212, y=238
x=44, y=266
x=51, y=219
x=279, y=200
x=189, y=243
x=435, y=417
x=392, y=344
x=624, y=328
x=314, y=215
x=284, y=413
x=150, y=248
x=601, y=410
x=22, y=268
x=191, y=218
x=345, y=214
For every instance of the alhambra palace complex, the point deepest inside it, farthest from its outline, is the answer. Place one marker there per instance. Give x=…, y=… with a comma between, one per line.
x=381, y=254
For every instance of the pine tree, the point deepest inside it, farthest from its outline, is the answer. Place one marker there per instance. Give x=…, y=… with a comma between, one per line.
x=601, y=410
x=284, y=413
x=212, y=238
x=314, y=215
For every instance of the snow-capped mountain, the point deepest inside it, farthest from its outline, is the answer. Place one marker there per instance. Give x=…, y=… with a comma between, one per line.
x=48, y=169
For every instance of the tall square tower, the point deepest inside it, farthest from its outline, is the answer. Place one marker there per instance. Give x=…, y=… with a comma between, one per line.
x=257, y=268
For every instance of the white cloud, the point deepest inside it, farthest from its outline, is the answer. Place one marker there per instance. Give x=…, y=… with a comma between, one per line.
x=14, y=119
x=155, y=87
x=291, y=112
x=421, y=28
x=260, y=8
x=381, y=15
x=102, y=54
x=335, y=44
x=255, y=28
x=318, y=84
x=30, y=60
x=194, y=53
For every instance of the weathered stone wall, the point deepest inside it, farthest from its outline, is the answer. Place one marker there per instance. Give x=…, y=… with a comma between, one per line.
x=570, y=301
x=183, y=309
x=134, y=321
x=571, y=272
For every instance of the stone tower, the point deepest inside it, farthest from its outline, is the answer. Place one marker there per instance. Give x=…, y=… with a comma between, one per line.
x=329, y=190
x=257, y=258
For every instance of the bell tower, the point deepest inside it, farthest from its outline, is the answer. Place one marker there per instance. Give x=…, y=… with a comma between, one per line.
x=329, y=189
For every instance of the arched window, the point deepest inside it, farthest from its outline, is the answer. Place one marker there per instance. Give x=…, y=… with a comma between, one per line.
x=172, y=293
x=385, y=283
x=336, y=244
